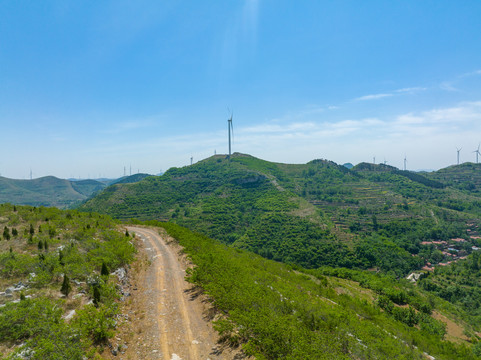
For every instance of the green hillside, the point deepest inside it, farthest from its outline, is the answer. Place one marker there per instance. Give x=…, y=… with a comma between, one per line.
x=279, y=312
x=46, y=191
x=56, y=299
x=466, y=176
x=314, y=214
x=51, y=191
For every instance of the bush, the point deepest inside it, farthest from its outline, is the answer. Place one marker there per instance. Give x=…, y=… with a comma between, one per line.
x=95, y=323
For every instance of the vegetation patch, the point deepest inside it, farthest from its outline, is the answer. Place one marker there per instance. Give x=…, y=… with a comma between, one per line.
x=57, y=299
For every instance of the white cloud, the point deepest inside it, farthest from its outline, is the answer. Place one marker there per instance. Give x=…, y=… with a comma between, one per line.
x=411, y=90
x=373, y=97
x=408, y=90
x=470, y=74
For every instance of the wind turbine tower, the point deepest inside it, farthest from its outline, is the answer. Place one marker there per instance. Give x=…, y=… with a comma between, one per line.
x=230, y=129
x=477, y=153
x=458, y=150
x=405, y=160
x=191, y=160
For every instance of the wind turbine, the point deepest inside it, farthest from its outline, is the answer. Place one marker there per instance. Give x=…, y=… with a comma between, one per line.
x=230, y=129
x=477, y=153
x=458, y=150
x=405, y=160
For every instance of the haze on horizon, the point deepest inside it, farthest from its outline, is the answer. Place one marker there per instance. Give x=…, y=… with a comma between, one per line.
x=88, y=88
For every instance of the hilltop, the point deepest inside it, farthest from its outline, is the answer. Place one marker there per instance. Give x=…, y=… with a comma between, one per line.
x=466, y=176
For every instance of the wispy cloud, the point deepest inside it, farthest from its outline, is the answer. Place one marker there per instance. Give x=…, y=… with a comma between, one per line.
x=453, y=85
x=402, y=91
x=411, y=90
x=470, y=74
x=240, y=38
x=373, y=97
x=448, y=86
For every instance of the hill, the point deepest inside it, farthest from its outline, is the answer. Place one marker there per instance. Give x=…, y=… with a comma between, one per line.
x=466, y=176
x=52, y=191
x=47, y=191
x=314, y=214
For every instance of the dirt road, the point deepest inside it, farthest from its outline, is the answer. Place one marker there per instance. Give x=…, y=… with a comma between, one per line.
x=172, y=323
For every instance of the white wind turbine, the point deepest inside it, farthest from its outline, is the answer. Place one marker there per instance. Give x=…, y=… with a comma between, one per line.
x=477, y=153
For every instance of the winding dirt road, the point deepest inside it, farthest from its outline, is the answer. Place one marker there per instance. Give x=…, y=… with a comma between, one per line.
x=173, y=321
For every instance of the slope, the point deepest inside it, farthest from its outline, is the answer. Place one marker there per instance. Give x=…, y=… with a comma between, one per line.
x=46, y=191
x=51, y=191
x=311, y=214
x=277, y=312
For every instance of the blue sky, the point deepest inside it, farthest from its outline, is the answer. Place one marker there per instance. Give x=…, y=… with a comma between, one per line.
x=88, y=88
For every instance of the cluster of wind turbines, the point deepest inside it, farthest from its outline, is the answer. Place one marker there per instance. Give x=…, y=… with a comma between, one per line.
x=475, y=151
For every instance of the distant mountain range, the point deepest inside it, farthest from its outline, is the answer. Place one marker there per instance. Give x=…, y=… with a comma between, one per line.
x=52, y=191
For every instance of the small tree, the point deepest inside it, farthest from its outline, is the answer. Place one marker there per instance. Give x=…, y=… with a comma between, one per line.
x=45, y=245
x=96, y=295
x=6, y=233
x=60, y=258
x=40, y=244
x=105, y=270
x=32, y=230
x=127, y=232
x=14, y=232
x=66, y=287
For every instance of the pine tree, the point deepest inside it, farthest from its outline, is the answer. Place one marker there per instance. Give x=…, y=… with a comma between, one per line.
x=104, y=270
x=6, y=233
x=96, y=295
x=40, y=245
x=60, y=258
x=66, y=287
x=32, y=230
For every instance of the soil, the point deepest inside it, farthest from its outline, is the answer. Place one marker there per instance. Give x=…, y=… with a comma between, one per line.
x=454, y=332
x=164, y=316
